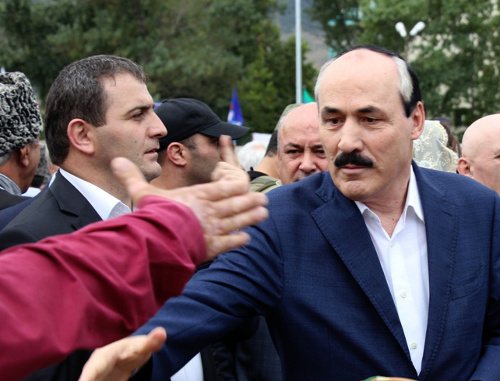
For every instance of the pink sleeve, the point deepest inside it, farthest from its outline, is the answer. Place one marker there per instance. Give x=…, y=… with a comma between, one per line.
x=94, y=286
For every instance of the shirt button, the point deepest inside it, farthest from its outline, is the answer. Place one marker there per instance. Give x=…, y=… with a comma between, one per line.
x=403, y=294
x=414, y=345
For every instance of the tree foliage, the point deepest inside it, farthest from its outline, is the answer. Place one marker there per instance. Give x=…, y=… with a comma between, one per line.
x=457, y=55
x=189, y=48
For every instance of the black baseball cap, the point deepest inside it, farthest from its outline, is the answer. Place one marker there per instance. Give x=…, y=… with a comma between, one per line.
x=184, y=117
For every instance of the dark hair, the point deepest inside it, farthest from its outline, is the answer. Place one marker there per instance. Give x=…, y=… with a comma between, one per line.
x=272, y=146
x=409, y=86
x=77, y=92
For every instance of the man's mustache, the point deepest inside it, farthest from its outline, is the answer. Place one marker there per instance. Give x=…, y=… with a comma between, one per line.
x=354, y=158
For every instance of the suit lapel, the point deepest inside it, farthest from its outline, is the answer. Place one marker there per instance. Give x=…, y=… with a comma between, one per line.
x=346, y=232
x=73, y=203
x=441, y=228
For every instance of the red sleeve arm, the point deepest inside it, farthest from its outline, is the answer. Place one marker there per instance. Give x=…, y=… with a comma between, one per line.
x=94, y=286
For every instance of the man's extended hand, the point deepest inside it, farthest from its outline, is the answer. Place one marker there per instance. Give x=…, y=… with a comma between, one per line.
x=222, y=207
x=116, y=361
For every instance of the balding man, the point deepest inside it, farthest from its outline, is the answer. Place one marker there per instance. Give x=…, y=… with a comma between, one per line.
x=300, y=151
x=481, y=152
x=378, y=267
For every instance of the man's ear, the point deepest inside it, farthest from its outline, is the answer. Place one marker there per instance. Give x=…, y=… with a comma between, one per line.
x=418, y=118
x=177, y=153
x=24, y=156
x=464, y=167
x=80, y=134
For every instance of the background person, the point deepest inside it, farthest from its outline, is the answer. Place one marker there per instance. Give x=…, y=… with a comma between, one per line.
x=481, y=152
x=20, y=126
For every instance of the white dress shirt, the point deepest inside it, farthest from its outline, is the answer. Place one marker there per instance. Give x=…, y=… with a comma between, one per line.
x=106, y=205
x=404, y=261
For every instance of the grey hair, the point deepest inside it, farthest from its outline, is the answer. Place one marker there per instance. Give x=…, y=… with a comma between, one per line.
x=285, y=112
x=409, y=87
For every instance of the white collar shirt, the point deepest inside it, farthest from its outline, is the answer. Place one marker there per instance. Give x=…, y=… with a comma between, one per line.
x=106, y=205
x=403, y=258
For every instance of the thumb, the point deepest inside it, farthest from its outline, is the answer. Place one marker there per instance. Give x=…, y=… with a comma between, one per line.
x=227, y=151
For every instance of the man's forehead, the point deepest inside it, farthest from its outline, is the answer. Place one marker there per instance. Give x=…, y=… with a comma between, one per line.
x=362, y=64
x=126, y=90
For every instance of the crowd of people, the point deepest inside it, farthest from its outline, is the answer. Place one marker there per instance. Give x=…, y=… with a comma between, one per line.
x=362, y=241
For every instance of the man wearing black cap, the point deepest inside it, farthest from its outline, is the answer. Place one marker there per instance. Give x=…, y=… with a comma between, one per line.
x=190, y=151
x=188, y=155
x=20, y=125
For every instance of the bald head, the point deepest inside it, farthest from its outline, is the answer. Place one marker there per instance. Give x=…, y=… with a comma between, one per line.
x=481, y=152
x=300, y=150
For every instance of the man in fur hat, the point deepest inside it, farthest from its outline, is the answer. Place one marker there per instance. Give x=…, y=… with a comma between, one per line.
x=20, y=125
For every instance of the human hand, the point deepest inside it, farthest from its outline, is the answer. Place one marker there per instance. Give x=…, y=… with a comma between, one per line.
x=222, y=207
x=116, y=361
x=228, y=168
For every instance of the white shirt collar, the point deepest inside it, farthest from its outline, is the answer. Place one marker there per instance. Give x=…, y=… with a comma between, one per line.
x=106, y=205
x=412, y=200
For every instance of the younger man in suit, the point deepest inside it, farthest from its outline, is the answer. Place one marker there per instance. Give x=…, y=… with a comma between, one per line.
x=98, y=108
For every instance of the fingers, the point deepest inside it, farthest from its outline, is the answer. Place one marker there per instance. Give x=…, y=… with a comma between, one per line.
x=238, y=205
x=227, y=218
x=220, y=244
x=226, y=171
x=118, y=360
x=227, y=151
x=210, y=192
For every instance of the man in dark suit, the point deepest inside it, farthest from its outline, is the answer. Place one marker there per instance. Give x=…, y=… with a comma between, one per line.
x=98, y=108
x=378, y=267
x=20, y=125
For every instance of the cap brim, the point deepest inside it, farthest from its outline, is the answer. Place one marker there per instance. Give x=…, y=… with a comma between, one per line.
x=223, y=128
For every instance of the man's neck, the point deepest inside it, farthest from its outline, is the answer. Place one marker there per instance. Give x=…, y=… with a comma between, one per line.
x=269, y=166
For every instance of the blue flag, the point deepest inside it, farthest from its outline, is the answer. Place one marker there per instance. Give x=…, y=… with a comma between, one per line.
x=235, y=116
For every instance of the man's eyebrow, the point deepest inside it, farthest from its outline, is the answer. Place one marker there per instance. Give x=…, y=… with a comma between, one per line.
x=143, y=107
x=293, y=145
x=329, y=110
x=368, y=110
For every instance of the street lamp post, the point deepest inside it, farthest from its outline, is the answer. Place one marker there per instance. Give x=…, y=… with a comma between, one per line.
x=298, y=53
x=400, y=28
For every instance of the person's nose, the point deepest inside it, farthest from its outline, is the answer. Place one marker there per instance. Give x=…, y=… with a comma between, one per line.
x=307, y=164
x=157, y=128
x=350, y=137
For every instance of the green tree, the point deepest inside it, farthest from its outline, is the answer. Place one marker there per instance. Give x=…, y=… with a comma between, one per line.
x=189, y=48
x=456, y=56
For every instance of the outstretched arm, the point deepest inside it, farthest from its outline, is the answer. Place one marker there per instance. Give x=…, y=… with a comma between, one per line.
x=113, y=275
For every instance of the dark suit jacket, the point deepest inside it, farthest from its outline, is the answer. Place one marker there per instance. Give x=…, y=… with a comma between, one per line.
x=8, y=199
x=313, y=270
x=8, y=214
x=59, y=210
